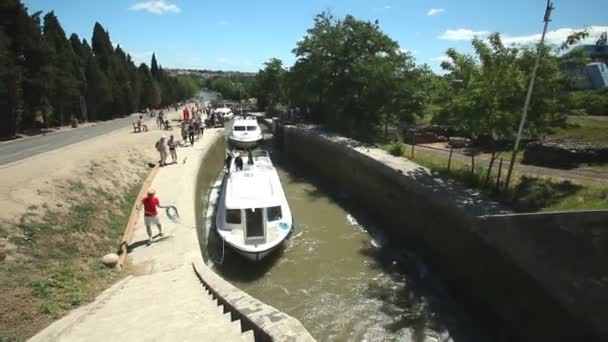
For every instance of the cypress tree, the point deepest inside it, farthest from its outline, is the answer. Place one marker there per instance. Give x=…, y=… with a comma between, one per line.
x=154, y=66
x=99, y=92
x=64, y=75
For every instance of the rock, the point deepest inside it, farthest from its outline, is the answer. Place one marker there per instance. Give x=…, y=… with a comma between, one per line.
x=564, y=154
x=459, y=142
x=110, y=260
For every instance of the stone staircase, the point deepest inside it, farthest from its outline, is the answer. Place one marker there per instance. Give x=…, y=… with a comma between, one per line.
x=163, y=306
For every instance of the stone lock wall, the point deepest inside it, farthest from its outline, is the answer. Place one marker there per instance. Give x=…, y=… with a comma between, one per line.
x=430, y=217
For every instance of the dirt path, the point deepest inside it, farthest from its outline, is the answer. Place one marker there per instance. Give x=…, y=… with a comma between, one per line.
x=574, y=174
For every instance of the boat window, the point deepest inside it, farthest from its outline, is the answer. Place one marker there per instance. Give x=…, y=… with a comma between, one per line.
x=274, y=213
x=239, y=128
x=233, y=216
x=251, y=128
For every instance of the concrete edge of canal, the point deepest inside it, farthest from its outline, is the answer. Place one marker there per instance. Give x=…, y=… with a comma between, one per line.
x=473, y=243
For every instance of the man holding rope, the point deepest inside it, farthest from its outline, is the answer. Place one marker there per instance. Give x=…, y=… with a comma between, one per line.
x=150, y=203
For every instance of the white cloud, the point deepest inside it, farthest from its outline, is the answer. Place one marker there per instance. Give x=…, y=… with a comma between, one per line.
x=434, y=11
x=223, y=22
x=156, y=7
x=383, y=8
x=462, y=34
x=556, y=37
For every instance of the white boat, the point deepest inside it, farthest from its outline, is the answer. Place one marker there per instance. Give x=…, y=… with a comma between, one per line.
x=253, y=216
x=246, y=132
x=224, y=113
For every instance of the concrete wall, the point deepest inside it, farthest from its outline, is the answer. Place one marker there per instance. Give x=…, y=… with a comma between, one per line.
x=437, y=219
x=567, y=252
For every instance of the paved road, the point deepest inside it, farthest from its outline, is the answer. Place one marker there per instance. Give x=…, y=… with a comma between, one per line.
x=31, y=146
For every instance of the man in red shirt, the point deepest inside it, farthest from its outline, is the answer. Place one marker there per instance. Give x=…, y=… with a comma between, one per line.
x=150, y=203
x=186, y=114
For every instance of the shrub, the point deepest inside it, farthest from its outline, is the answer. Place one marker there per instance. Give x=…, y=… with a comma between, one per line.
x=592, y=102
x=396, y=149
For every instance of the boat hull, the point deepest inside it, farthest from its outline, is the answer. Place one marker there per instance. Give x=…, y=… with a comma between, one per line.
x=244, y=144
x=255, y=256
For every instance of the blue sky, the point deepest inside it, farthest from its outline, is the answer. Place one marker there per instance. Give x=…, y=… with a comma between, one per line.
x=242, y=34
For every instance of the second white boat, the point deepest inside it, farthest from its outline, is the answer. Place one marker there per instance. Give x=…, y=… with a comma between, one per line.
x=246, y=132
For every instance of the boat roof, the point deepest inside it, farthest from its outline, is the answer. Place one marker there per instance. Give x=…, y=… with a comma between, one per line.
x=245, y=122
x=256, y=186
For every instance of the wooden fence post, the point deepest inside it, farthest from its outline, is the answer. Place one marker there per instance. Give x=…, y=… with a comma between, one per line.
x=473, y=163
x=490, y=168
x=498, y=176
x=450, y=157
x=413, y=144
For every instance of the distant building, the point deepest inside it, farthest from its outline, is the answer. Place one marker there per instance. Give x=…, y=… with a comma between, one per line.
x=598, y=75
x=595, y=51
x=592, y=75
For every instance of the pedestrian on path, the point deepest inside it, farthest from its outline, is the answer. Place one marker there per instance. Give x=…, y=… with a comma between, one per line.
x=184, y=132
x=172, y=148
x=161, y=147
x=191, y=130
x=150, y=203
x=186, y=114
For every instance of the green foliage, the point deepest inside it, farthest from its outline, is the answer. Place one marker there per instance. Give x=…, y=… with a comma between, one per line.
x=533, y=194
x=353, y=77
x=592, y=102
x=45, y=74
x=270, y=85
x=582, y=128
x=484, y=95
x=232, y=87
x=396, y=149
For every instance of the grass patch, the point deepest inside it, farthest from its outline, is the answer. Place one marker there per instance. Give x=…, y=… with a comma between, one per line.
x=582, y=128
x=525, y=194
x=58, y=266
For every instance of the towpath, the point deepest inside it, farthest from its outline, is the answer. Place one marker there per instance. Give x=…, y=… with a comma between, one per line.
x=162, y=299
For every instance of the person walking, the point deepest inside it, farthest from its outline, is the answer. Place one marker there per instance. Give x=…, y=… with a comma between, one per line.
x=191, y=133
x=186, y=114
x=161, y=147
x=184, y=132
x=172, y=148
x=160, y=119
x=151, y=217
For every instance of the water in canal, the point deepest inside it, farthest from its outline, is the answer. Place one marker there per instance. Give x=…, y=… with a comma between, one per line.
x=343, y=280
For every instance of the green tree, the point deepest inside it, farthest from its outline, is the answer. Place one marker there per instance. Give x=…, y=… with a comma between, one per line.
x=150, y=96
x=154, y=66
x=486, y=93
x=271, y=85
x=99, y=91
x=354, y=77
x=63, y=70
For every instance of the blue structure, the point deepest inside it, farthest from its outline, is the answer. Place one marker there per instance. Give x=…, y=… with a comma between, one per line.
x=598, y=75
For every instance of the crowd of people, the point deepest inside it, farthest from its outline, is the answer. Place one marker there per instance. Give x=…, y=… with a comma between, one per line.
x=192, y=125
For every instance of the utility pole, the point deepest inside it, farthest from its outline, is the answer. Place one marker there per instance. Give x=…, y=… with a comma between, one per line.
x=546, y=19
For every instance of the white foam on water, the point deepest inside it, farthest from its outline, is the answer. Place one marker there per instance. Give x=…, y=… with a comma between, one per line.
x=351, y=220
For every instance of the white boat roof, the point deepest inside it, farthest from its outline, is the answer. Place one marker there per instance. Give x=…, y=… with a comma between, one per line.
x=246, y=122
x=256, y=186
